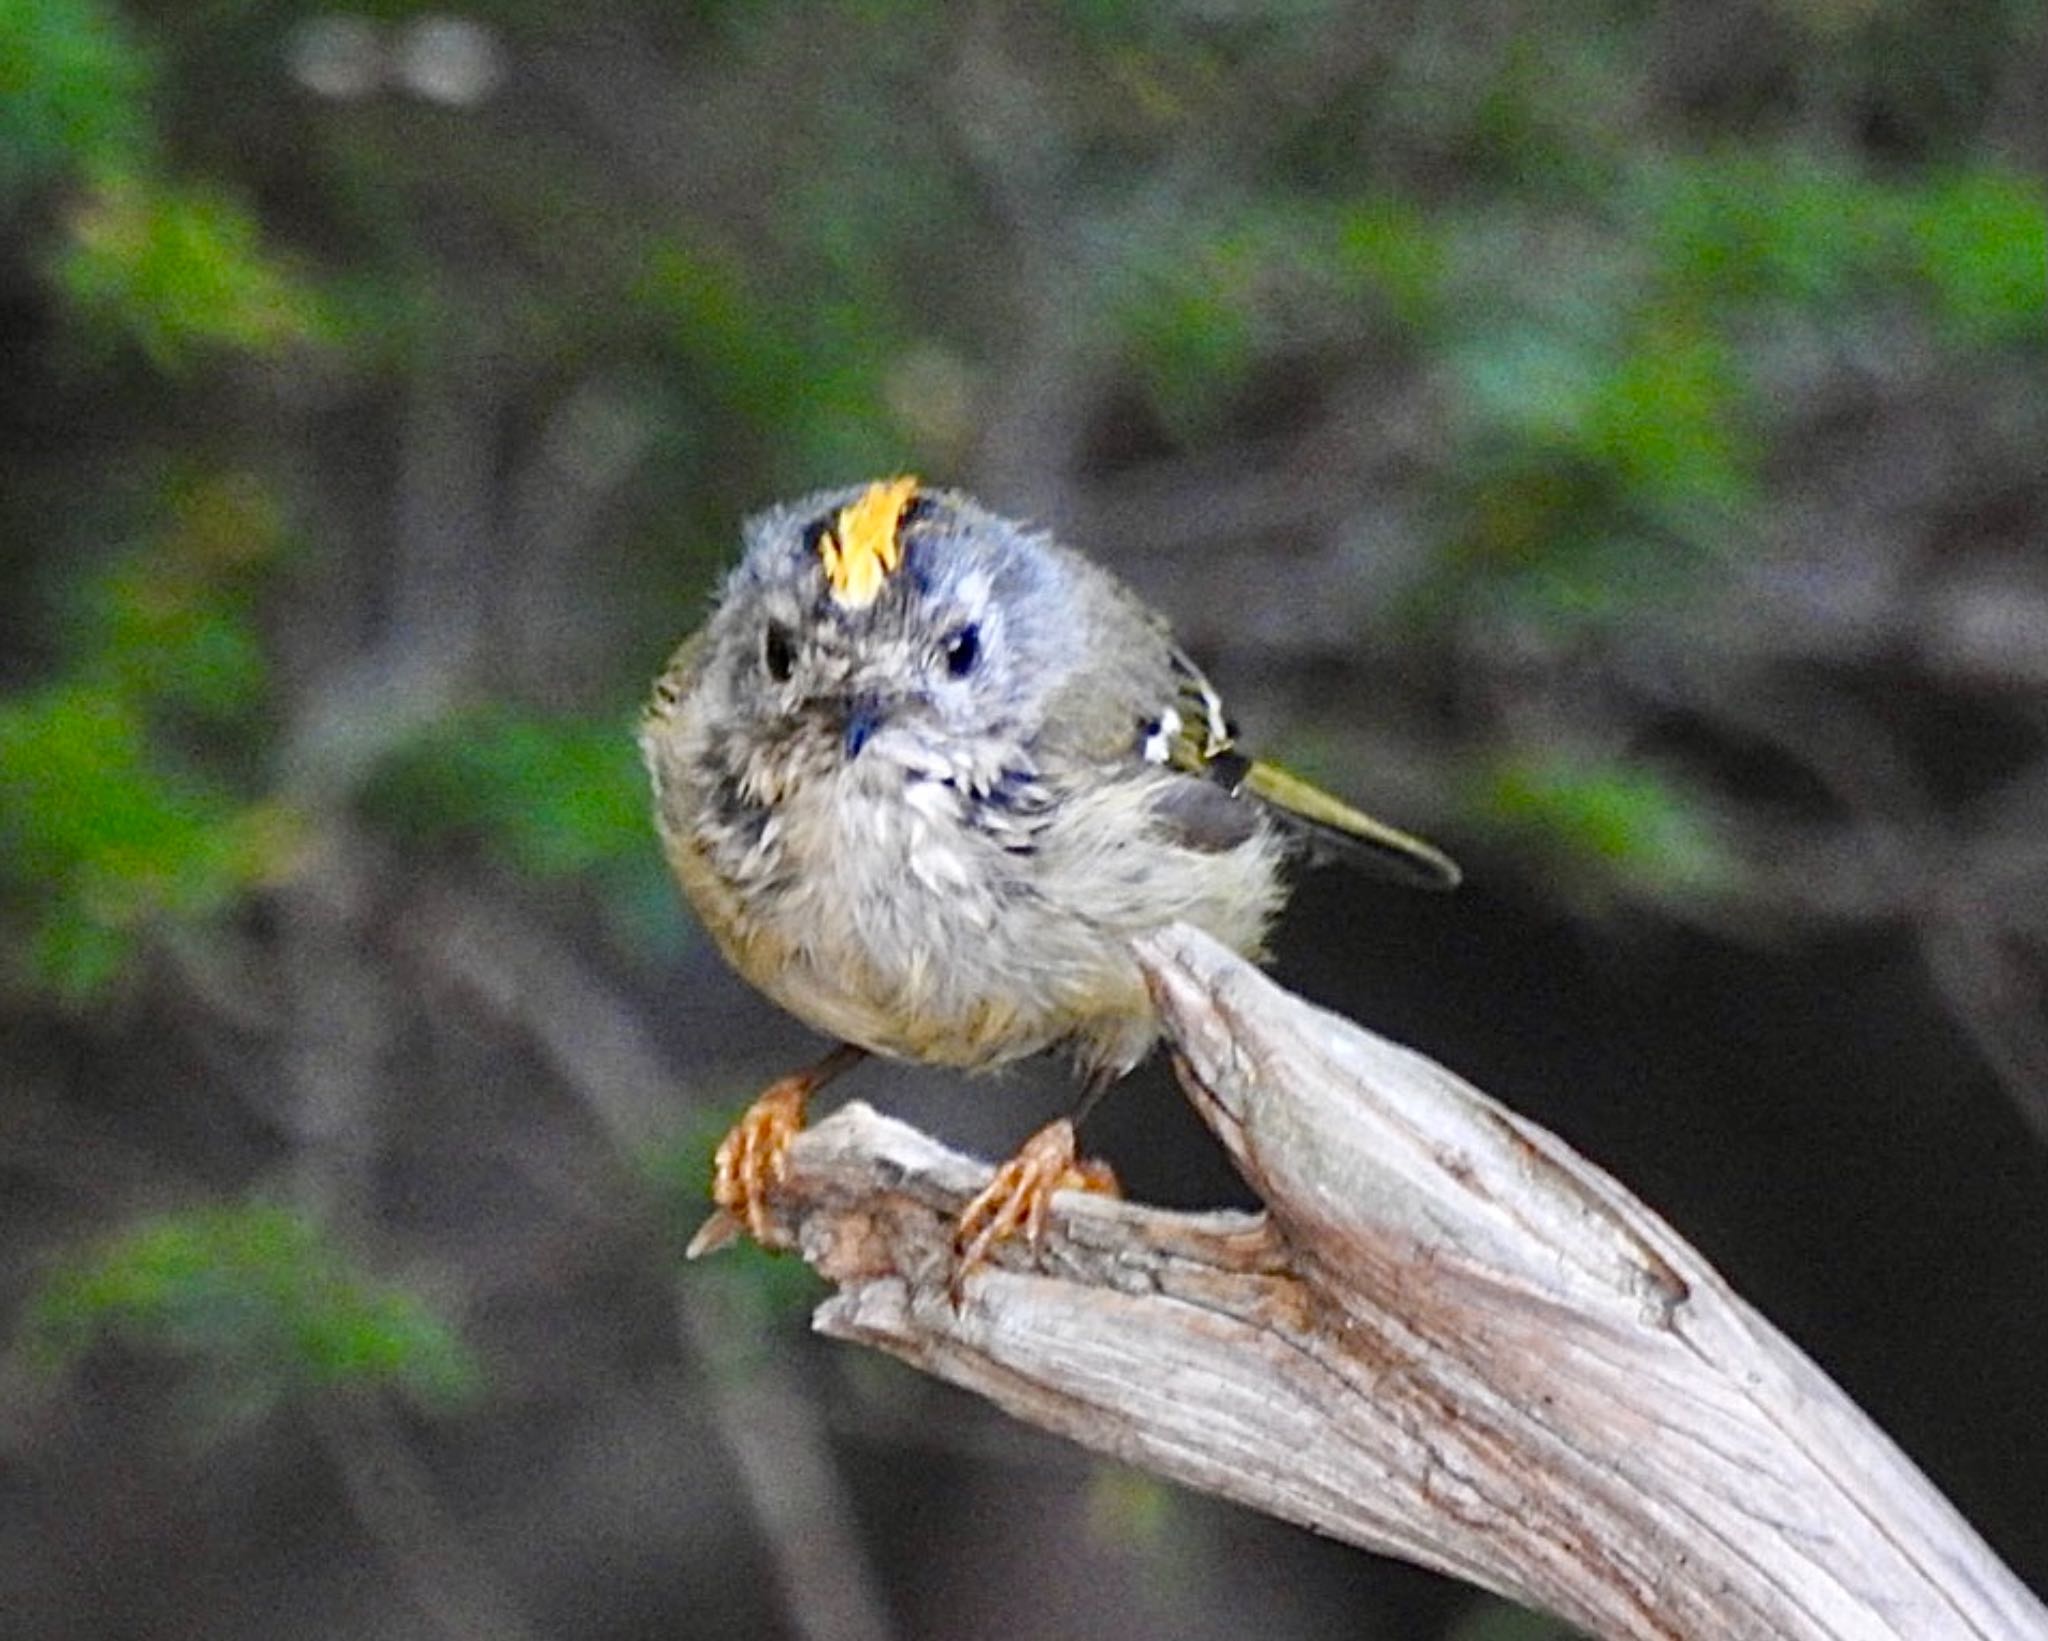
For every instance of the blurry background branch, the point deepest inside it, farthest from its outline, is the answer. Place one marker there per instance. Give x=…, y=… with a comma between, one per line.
x=1448, y=1338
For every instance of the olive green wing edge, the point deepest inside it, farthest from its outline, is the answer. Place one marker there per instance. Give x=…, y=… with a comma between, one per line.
x=1334, y=827
x=1199, y=739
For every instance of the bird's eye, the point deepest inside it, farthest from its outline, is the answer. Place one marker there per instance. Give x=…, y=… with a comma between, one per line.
x=778, y=652
x=963, y=649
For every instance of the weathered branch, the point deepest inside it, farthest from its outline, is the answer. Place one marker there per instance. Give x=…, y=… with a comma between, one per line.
x=1450, y=1339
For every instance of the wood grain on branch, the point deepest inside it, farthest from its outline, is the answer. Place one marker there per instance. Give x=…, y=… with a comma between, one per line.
x=1449, y=1338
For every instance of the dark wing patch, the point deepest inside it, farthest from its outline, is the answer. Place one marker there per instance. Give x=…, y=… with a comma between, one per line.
x=1198, y=814
x=1200, y=809
x=1224, y=794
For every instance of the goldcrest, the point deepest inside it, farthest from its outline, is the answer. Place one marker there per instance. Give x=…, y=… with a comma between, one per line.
x=924, y=774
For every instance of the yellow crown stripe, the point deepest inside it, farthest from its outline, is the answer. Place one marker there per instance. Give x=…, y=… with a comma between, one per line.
x=863, y=547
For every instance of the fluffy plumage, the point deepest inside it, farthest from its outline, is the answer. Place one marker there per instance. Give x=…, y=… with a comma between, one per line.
x=925, y=771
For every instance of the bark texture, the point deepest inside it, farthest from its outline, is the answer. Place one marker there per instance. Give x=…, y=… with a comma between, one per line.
x=1449, y=1338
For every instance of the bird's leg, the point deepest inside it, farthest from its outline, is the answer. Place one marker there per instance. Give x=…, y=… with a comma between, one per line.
x=1020, y=1195
x=754, y=1157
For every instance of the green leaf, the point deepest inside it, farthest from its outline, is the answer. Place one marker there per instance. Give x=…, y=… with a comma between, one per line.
x=101, y=839
x=1193, y=343
x=71, y=93
x=552, y=796
x=803, y=366
x=108, y=830
x=1391, y=248
x=257, y=1295
x=1630, y=821
x=1981, y=239
x=1666, y=418
x=179, y=272
x=1745, y=226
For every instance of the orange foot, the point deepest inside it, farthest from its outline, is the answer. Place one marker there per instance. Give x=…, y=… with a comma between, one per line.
x=1018, y=1197
x=754, y=1157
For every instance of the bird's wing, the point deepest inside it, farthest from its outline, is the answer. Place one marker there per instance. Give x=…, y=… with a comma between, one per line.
x=676, y=678
x=1194, y=735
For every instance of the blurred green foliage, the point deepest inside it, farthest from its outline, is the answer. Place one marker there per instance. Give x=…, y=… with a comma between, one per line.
x=1629, y=823
x=177, y=271
x=796, y=373
x=1596, y=310
x=174, y=269
x=1611, y=452
x=1611, y=441
x=113, y=824
x=71, y=93
x=102, y=841
x=551, y=797
x=257, y=1296
x=1980, y=238
x=1130, y=1510
x=1739, y=229
x=1197, y=306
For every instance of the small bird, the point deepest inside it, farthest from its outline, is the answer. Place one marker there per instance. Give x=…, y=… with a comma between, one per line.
x=924, y=774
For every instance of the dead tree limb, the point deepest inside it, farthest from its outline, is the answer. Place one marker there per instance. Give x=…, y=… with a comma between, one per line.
x=1449, y=1338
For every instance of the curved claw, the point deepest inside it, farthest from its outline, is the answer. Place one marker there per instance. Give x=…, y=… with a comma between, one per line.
x=1020, y=1196
x=755, y=1156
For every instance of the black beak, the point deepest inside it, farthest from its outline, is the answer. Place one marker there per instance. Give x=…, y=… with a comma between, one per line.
x=863, y=718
